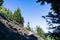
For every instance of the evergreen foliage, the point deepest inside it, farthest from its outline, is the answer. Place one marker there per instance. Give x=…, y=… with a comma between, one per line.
x=28, y=27
x=15, y=16
x=40, y=32
x=1, y=2
x=9, y=14
x=53, y=17
x=18, y=17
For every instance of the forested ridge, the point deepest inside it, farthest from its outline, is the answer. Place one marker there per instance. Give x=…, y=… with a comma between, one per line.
x=17, y=19
x=12, y=26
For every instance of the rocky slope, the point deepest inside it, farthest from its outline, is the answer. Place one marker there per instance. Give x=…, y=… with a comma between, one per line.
x=11, y=30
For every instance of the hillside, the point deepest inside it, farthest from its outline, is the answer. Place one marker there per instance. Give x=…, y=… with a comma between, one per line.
x=11, y=30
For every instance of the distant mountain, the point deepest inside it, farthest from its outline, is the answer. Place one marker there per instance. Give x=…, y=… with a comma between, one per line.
x=11, y=30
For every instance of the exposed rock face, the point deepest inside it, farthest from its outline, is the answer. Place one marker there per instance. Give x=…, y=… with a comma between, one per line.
x=11, y=30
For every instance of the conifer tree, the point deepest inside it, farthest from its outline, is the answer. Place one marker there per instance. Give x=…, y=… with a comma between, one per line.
x=53, y=19
x=28, y=26
x=10, y=14
x=1, y=2
x=18, y=17
x=40, y=32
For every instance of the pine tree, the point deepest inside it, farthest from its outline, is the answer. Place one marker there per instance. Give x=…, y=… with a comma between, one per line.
x=1, y=2
x=28, y=26
x=9, y=14
x=18, y=17
x=40, y=32
x=53, y=18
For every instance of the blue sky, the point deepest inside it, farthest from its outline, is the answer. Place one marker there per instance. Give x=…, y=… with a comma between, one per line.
x=30, y=10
